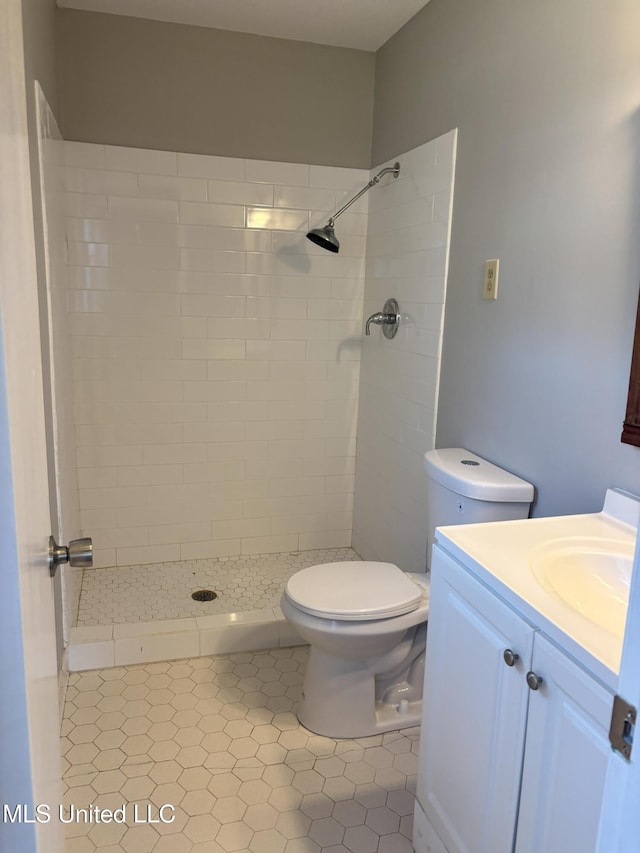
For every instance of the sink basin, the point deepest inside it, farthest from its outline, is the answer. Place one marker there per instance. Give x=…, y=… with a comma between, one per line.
x=592, y=576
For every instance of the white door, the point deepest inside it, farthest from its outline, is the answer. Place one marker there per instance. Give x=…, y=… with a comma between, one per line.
x=620, y=820
x=29, y=763
x=475, y=710
x=565, y=757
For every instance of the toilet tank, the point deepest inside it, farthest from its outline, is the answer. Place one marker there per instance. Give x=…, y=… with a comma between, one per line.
x=463, y=488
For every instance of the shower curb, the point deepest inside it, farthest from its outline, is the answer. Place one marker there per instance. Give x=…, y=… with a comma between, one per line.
x=120, y=644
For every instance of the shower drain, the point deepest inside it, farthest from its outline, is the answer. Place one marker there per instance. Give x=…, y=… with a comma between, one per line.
x=204, y=595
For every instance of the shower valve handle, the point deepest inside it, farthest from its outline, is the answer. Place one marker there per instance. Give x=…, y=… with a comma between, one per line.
x=78, y=553
x=379, y=319
x=388, y=318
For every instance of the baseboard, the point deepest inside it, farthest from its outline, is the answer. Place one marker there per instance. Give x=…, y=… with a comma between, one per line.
x=425, y=838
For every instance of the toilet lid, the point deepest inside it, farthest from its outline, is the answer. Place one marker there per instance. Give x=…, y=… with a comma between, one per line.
x=353, y=591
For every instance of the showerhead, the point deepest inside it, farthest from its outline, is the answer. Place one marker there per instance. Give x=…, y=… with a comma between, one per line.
x=325, y=237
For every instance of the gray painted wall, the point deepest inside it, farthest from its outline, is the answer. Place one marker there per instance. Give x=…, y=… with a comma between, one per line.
x=147, y=84
x=546, y=97
x=38, y=22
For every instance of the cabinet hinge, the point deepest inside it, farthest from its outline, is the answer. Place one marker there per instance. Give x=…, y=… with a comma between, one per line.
x=623, y=723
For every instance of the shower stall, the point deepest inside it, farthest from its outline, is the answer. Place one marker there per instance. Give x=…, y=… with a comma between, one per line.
x=217, y=373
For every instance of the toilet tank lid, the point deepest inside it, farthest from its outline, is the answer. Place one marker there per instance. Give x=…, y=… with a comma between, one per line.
x=471, y=476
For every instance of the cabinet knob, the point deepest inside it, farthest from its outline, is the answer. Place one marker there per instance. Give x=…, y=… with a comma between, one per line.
x=534, y=681
x=510, y=657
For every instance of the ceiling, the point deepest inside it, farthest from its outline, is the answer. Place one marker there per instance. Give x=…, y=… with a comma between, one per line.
x=362, y=24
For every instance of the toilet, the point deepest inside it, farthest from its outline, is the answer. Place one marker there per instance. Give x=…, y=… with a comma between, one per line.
x=366, y=622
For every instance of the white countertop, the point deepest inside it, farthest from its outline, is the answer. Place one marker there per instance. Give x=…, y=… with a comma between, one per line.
x=499, y=554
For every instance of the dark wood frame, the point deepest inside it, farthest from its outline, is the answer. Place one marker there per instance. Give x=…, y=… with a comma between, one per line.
x=631, y=428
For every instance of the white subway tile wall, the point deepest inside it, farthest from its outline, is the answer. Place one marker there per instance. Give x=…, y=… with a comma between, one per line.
x=407, y=253
x=216, y=353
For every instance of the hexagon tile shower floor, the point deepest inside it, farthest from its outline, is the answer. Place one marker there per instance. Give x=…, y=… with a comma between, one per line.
x=163, y=590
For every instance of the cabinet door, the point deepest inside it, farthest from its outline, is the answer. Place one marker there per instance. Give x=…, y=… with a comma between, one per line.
x=475, y=710
x=566, y=754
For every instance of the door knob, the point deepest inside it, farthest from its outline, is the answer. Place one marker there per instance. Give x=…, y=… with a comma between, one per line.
x=79, y=552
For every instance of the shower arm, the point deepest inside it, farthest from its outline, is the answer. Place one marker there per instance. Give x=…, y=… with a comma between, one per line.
x=395, y=169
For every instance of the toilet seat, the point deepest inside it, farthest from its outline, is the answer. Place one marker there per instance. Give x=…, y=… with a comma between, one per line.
x=353, y=591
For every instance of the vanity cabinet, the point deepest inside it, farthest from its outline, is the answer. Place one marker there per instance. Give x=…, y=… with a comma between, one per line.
x=565, y=756
x=505, y=765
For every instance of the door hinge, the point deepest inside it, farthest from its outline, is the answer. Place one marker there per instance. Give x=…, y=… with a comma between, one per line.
x=623, y=723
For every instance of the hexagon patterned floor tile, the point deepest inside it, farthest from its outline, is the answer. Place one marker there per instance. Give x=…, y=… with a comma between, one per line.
x=163, y=590
x=214, y=744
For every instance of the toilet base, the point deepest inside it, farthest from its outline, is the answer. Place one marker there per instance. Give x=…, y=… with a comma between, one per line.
x=339, y=700
x=386, y=719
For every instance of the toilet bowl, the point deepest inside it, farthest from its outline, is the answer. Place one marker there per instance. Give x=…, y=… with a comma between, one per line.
x=366, y=621
x=366, y=625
